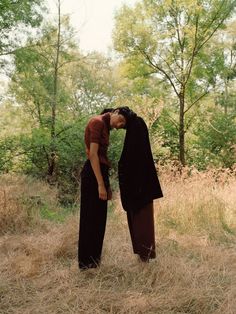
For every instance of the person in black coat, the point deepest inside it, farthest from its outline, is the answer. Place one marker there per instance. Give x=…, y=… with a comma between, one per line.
x=139, y=186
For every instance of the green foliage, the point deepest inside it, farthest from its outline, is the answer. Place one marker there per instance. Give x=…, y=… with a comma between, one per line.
x=164, y=56
x=35, y=146
x=59, y=215
x=13, y=14
x=216, y=138
x=173, y=39
x=24, y=11
x=69, y=158
x=34, y=77
x=85, y=85
x=7, y=148
x=92, y=83
x=166, y=130
x=116, y=146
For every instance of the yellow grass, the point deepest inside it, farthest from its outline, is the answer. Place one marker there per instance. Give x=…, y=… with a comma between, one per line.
x=195, y=271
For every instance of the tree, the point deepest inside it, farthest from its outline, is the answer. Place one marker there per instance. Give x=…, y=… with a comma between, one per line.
x=169, y=39
x=225, y=85
x=38, y=83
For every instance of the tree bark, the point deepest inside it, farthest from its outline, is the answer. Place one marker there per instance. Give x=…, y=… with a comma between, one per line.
x=52, y=165
x=181, y=130
x=226, y=97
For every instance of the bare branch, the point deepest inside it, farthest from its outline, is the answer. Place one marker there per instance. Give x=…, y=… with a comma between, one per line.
x=194, y=51
x=157, y=67
x=218, y=131
x=173, y=121
x=12, y=52
x=200, y=97
x=190, y=122
x=171, y=70
x=63, y=130
x=216, y=27
x=66, y=62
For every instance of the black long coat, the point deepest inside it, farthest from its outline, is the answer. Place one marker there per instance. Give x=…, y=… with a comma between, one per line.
x=138, y=180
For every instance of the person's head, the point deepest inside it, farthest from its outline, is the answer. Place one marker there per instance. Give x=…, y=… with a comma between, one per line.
x=120, y=117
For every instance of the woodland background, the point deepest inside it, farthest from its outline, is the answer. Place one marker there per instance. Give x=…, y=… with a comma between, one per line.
x=174, y=63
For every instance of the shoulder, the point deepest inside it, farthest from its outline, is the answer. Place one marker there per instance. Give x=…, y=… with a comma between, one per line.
x=141, y=122
x=95, y=122
x=138, y=124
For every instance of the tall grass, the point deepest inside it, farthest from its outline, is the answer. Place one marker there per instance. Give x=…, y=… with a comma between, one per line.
x=200, y=204
x=21, y=198
x=195, y=270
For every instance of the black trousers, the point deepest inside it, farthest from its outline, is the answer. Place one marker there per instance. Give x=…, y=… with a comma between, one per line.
x=93, y=216
x=142, y=232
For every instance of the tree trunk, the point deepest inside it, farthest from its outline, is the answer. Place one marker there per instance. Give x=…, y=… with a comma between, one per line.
x=181, y=130
x=52, y=164
x=226, y=98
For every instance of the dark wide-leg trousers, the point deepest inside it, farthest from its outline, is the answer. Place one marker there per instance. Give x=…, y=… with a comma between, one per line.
x=142, y=232
x=93, y=216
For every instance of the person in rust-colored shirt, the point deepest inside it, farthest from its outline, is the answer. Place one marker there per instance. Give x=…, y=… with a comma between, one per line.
x=95, y=188
x=98, y=131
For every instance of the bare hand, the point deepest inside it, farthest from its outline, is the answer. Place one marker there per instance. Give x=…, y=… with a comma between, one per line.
x=102, y=192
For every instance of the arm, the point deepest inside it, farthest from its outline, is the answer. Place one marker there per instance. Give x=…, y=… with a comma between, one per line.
x=93, y=157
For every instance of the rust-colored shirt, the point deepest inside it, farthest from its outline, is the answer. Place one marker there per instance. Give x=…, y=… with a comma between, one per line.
x=98, y=131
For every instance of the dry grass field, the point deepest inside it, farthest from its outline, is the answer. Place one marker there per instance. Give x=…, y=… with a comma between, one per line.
x=195, y=270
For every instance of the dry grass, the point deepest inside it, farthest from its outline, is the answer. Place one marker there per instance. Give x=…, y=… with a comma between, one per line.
x=195, y=271
x=20, y=198
x=202, y=204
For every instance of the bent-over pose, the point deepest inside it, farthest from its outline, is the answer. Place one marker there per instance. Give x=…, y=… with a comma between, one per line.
x=139, y=186
x=95, y=188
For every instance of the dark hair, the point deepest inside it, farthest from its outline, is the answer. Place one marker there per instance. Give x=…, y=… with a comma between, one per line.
x=127, y=113
x=124, y=111
x=107, y=110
